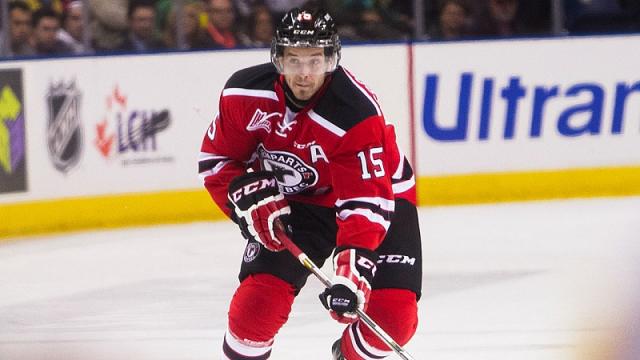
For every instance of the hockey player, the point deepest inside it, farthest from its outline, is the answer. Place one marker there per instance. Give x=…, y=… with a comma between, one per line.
x=323, y=162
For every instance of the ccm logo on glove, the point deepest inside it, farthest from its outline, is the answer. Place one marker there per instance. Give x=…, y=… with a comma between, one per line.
x=253, y=187
x=257, y=203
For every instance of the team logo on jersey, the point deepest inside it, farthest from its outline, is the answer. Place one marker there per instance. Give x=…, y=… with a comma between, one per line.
x=293, y=174
x=251, y=252
x=260, y=120
x=64, y=133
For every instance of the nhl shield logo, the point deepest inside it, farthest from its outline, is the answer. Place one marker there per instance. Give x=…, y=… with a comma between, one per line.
x=64, y=134
x=251, y=252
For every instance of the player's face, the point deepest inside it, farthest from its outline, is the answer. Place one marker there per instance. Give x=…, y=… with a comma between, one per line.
x=304, y=70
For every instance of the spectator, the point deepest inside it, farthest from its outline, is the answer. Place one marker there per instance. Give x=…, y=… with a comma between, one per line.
x=259, y=29
x=345, y=18
x=597, y=16
x=220, y=28
x=632, y=7
x=453, y=21
x=536, y=16
x=194, y=34
x=363, y=20
x=20, y=29
x=55, y=5
x=498, y=18
x=398, y=14
x=373, y=26
x=45, y=27
x=72, y=31
x=109, y=23
x=279, y=7
x=244, y=8
x=142, y=35
x=163, y=10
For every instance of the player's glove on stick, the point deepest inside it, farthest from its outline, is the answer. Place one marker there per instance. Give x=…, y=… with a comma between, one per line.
x=354, y=271
x=256, y=202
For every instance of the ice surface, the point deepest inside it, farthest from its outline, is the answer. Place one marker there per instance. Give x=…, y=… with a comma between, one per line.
x=502, y=282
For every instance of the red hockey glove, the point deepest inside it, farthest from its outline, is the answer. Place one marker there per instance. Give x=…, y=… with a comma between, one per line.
x=354, y=271
x=256, y=202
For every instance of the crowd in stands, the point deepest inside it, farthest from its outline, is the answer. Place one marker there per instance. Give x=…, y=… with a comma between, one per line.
x=57, y=27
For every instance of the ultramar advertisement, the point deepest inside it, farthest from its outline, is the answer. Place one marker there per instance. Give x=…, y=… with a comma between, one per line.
x=527, y=119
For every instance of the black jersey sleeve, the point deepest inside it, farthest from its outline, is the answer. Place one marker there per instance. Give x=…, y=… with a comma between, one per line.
x=259, y=77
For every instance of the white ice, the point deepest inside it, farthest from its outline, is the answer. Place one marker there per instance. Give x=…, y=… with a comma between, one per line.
x=524, y=281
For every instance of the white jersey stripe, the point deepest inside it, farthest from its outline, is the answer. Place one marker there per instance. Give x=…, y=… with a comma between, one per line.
x=267, y=94
x=366, y=346
x=245, y=349
x=364, y=350
x=355, y=346
x=203, y=175
x=325, y=123
x=209, y=156
x=370, y=215
x=403, y=186
x=385, y=204
x=398, y=173
x=364, y=90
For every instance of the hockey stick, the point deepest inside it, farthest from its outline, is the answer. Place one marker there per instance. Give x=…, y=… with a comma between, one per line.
x=311, y=266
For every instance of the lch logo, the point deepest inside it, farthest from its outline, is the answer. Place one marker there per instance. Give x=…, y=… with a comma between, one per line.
x=136, y=129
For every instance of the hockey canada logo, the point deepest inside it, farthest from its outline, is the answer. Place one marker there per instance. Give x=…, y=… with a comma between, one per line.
x=293, y=174
x=251, y=252
x=64, y=133
x=284, y=126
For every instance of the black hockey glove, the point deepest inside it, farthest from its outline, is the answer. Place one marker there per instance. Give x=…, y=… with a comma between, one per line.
x=256, y=202
x=354, y=271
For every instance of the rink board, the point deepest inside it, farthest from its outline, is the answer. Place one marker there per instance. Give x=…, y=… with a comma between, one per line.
x=110, y=141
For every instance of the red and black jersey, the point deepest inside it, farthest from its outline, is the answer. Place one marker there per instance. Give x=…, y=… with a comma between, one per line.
x=337, y=152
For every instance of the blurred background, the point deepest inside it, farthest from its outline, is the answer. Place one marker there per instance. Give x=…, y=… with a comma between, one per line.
x=59, y=27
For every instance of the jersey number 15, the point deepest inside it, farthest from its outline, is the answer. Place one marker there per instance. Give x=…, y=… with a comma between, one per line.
x=376, y=163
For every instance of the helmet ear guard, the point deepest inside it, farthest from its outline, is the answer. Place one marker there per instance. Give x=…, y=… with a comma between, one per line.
x=303, y=29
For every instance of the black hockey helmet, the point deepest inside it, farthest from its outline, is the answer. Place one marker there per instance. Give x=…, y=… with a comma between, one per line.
x=301, y=28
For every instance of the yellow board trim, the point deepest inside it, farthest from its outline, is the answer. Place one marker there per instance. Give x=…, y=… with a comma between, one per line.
x=532, y=185
x=30, y=218
x=39, y=217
